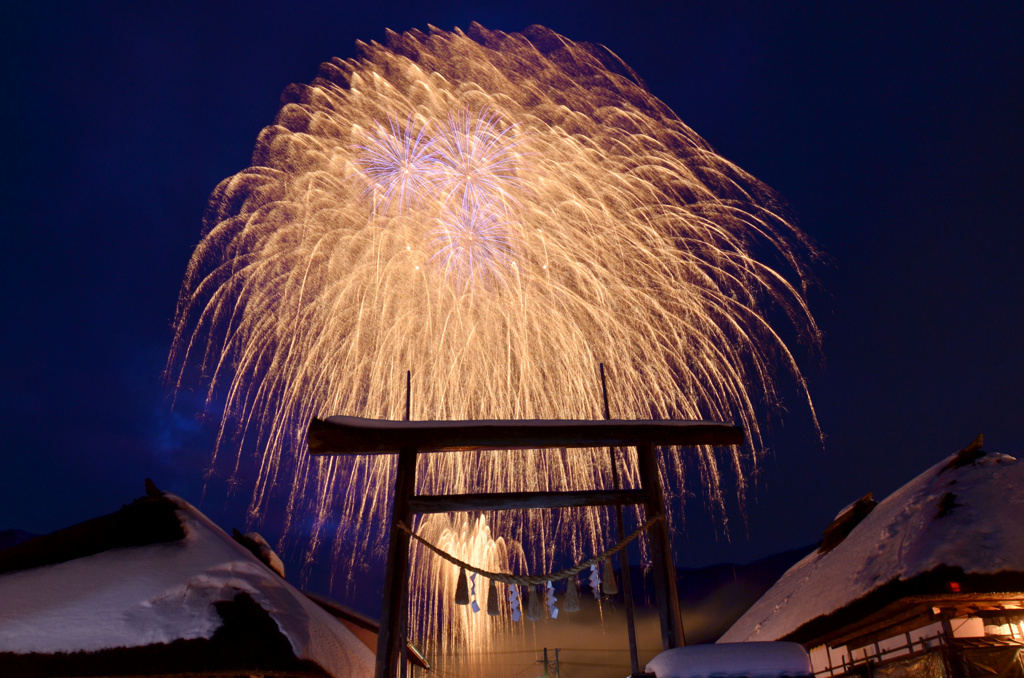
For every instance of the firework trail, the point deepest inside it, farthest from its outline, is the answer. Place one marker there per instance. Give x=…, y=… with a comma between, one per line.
x=497, y=213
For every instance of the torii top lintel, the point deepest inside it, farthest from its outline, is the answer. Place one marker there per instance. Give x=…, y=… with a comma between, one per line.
x=356, y=435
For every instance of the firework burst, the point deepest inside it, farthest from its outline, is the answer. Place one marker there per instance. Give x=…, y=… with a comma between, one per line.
x=398, y=164
x=474, y=247
x=479, y=160
x=538, y=212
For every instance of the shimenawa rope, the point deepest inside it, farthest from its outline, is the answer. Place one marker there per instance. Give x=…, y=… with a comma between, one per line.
x=526, y=580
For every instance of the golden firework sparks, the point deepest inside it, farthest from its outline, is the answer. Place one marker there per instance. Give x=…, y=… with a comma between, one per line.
x=497, y=213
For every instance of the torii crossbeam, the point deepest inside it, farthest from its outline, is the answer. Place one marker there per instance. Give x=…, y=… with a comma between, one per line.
x=354, y=435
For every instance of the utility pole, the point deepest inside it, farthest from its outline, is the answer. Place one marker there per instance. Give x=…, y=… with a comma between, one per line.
x=547, y=664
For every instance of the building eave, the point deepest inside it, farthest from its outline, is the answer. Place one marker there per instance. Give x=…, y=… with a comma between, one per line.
x=899, y=606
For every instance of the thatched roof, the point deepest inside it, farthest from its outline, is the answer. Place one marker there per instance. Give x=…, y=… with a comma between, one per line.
x=955, y=529
x=157, y=584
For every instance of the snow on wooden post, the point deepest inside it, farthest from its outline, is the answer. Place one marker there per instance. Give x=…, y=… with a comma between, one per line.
x=354, y=435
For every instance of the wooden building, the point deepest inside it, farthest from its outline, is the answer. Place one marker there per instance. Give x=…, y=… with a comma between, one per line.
x=929, y=582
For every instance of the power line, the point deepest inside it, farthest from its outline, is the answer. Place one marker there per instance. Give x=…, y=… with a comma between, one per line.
x=528, y=667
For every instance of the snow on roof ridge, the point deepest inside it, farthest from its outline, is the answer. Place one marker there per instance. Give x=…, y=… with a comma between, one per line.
x=142, y=522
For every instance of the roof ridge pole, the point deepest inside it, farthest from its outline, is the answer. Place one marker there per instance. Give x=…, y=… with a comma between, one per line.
x=627, y=583
x=661, y=550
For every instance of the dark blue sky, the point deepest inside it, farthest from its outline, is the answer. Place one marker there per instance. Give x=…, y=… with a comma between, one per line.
x=893, y=130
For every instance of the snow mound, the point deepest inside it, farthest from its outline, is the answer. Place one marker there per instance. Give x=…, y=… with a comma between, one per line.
x=964, y=512
x=159, y=593
x=750, y=660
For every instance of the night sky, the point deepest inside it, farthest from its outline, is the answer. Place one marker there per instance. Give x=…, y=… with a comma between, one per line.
x=893, y=131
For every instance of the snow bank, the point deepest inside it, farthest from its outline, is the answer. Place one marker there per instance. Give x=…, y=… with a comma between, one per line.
x=967, y=517
x=137, y=596
x=750, y=660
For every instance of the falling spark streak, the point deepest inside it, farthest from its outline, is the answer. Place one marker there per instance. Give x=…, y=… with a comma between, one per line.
x=538, y=212
x=453, y=627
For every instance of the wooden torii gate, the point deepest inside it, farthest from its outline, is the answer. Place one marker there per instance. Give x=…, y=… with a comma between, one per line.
x=354, y=435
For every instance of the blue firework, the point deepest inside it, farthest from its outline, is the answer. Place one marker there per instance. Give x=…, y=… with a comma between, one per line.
x=399, y=163
x=478, y=160
x=473, y=245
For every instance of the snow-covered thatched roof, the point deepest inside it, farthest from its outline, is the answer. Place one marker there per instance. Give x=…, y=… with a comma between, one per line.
x=961, y=518
x=135, y=580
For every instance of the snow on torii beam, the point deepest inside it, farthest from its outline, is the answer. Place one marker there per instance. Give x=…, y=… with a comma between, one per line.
x=355, y=435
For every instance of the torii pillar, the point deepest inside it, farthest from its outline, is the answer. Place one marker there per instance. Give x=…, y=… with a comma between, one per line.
x=353, y=435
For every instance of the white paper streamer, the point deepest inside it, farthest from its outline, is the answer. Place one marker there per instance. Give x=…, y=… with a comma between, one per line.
x=513, y=599
x=472, y=593
x=595, y=581
x=549, y=598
